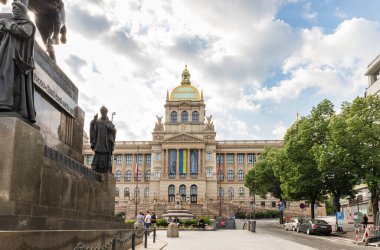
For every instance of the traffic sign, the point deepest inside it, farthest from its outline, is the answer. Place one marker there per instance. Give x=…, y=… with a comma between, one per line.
x=302, y=205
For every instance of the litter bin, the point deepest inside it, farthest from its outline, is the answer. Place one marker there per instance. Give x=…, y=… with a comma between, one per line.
x=252, y=226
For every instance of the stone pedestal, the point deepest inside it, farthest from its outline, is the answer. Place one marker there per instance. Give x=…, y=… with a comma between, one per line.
x=172, y=230
x=138, y=226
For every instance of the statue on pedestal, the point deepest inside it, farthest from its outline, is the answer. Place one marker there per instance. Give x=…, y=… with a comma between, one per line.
x=102, y=139
x=16, y=63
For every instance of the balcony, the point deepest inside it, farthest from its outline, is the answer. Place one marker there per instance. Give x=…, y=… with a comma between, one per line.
x=194, y=175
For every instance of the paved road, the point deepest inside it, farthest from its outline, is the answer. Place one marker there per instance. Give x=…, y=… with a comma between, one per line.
x=268, y=236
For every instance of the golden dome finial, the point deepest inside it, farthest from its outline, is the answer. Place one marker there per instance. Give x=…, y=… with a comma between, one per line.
x=185, y=76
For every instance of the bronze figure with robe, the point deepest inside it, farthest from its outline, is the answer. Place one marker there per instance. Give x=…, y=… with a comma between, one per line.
x=17, y=64
x=102, y=139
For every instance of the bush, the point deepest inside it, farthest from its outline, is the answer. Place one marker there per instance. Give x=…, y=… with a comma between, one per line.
x=120, y=214
x=188, y=223
x=205, y=219
x=130, y=222
x=162, y=223
x=267, y=214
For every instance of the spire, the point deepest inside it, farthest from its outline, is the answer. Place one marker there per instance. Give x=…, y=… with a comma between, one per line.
x=167, y=95
x=185, y=77
x=297, y=116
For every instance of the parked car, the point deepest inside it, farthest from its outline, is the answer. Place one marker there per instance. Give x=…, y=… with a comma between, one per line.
x=292, y=224
x=316, y=226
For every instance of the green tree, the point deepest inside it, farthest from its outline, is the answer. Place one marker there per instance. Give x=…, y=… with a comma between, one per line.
x=301, y=179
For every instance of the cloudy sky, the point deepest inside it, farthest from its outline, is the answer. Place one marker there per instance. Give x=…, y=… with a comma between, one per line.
x=257, y=61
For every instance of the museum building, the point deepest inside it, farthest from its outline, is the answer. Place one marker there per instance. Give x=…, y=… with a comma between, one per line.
x=182, y=162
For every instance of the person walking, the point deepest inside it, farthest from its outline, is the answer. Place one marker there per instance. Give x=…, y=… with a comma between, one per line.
x=148, y=221
x=154, y=219
x=140, y=218
x=365, y=221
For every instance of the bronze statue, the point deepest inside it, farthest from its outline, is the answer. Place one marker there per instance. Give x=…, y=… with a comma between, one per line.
x=102, y=139
x=17, y=64
x=50, y=21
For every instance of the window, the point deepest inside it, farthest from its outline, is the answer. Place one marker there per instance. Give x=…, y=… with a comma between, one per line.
x=139, y=158
x=117, y=192
x=128, y=159
x=171, y=193
x=251, y=158
x=128, y=176
x=195, y=117
x=240, y=175
x=173, y=117
x=119, y=159
x=209, y=173
x=240, y=158
x=147, y=175
x=126, y=192
x=182, y=192
x=89, y=159
x=241, y=192
x=158, y=156
x=273, y=204
x=157, y=174
x=139, y=175
x=208, y=156
x=146, y=192
x=230, y=193
x=376, y=75
x=184, y=117
x=118, y=175
x=220, y=192
x=219, y=159
x=230, y=158
x=221, y=175
x=262, y=203
x=137, y=192
x=230, y=175
x=148, y=159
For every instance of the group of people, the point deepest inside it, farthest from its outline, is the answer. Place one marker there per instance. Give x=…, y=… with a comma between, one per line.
x=147, y=220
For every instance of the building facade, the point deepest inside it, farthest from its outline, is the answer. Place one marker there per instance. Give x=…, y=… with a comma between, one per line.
x=181, y=163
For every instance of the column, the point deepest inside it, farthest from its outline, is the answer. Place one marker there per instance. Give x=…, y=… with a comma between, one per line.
x=177, y=163
x=224, y=163
x=166, y=161
x=188, y=162
x=235, y=168
x=162, y=170
x=204, y=161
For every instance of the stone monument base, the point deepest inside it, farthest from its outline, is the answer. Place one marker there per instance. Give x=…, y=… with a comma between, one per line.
x=172, y=230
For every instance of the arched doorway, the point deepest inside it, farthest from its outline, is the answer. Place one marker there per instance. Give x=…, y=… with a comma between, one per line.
x=171, y=193
x=182, y=192
x=193, y=194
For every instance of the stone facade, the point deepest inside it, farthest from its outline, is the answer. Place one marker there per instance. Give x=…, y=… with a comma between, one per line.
x=181, y=163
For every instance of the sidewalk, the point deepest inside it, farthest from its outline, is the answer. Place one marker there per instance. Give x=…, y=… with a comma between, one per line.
x=160, y=244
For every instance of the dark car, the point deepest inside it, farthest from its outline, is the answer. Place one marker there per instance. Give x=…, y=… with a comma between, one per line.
x=314, y=226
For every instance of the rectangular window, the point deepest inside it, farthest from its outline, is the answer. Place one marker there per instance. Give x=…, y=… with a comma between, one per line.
x=251, y=158
x=128, y=159
x=208, y=156
x=273, y=204
x=262, y=203
x=119, y=159
x=240, y=158
x=209, y=173
x=89, y=159
x=219, y=158
x=148, y=159
x=230, y=159
x=157, y=174
x=139, y=159
x=158, y=156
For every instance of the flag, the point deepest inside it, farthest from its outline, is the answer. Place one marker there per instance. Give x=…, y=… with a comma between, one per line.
x=137, y=171
x=219, y=167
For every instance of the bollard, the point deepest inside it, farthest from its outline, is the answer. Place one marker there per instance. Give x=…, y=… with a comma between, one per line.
x=133, y=241
x=154, y=235
x=113, y=243
x=146, y=238
x=356, y=235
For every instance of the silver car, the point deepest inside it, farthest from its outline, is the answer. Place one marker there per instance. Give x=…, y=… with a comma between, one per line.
x=292, y=224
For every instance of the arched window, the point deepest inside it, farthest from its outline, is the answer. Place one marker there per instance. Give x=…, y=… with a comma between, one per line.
x=195, y=117
x=146, y=192
x=230, y=175
x=173, y=117
x=193, y=193
x=147, y=175
x=117, y=192
x=118, y=175
x=126, y=192
x=128, y=176
x=220, y=192
x=221, y=175
x=137, y=192
x=171, y=193
x=230, y=193
x=240, y=175
x=241, y=192
x=184, y=117
x=139, y=175
x=182, y=192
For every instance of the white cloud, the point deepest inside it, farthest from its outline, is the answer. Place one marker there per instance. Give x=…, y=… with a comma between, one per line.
x=279, y=130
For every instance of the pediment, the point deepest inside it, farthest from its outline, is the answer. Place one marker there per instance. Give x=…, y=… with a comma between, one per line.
x=186, y=138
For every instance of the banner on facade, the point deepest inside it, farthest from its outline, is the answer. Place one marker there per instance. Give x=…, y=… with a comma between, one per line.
x=172, y=161
x=183, y=161
x=194, y=161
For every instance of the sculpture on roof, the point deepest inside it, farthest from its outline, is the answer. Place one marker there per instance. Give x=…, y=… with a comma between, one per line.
x=159, y=125
x=50, y=21
x=210, y=124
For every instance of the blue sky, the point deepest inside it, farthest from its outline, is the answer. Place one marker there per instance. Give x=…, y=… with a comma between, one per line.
x=258, y=62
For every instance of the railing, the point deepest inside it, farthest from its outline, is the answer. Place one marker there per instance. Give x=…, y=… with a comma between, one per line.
x=133, y=142
x=122, y=242
x=251, y=142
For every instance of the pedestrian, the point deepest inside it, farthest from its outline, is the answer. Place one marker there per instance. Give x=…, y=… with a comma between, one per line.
x=365, y=221
x=140, y=218
x=154, y=219
x=148, y=220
